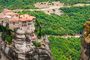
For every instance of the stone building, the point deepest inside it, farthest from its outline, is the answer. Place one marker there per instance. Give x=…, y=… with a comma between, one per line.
x=50, y=7
x=48, y=4
x=25, y=44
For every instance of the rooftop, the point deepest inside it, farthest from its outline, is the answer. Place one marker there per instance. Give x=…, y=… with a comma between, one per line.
x=24, y=17
x=14, y=17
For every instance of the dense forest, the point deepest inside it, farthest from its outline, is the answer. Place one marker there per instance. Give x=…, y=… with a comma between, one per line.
x=65, y=48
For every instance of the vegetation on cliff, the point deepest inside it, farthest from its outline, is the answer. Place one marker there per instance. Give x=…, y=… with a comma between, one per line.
x=6, y=34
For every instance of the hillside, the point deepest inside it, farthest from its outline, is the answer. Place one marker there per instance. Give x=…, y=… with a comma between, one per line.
x=65, y=48
x=15, y=4
x=70, y=23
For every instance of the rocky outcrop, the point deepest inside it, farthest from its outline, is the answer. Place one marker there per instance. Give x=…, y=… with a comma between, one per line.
x=25, y=44
x=28, y=49
x=85, y=48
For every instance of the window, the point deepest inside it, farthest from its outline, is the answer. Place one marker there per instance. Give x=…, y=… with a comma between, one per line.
x=53, y=10
x=24, y=23
x=13, y=23
x=29, y=23
x=2, y=21
x=17, y=22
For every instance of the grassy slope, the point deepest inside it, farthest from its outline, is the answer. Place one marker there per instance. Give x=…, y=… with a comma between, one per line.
x=69, y=23
x=65, y=48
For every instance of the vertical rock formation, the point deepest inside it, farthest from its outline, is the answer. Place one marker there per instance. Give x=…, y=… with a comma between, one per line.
x=25, y=45
x=85, y=48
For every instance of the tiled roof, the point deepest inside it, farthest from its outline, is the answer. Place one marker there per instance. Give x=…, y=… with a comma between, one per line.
x=7, y=14
x=24, y=17
x=14, y=17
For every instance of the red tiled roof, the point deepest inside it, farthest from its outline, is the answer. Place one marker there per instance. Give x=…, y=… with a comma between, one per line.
x=14, y=17
x=7, y=13
x=24, y=17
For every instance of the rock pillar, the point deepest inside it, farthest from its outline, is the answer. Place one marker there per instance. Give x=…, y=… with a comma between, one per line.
x=85, y=41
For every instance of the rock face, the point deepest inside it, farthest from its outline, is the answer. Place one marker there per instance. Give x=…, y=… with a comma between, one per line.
x=85, y=49
x=25, y=48
x=25, y=45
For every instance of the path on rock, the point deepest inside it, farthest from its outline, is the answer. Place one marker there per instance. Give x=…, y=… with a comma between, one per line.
x=67, y=36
